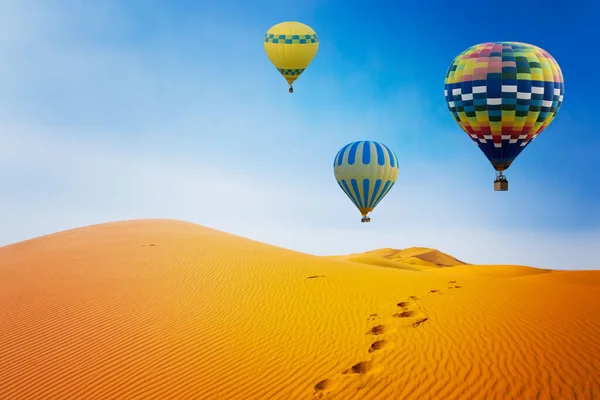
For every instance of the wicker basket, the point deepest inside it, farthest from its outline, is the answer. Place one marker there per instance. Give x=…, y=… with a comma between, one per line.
x=501, y=185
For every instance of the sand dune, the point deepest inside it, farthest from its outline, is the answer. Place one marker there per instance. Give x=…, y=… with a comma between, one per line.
x=159, y=309
x=421, y=259
x=369, y=259
x=413, y=258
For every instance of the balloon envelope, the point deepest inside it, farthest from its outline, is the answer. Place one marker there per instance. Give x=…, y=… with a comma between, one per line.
x=503, y=95
x=291, y=46
x=366, y=171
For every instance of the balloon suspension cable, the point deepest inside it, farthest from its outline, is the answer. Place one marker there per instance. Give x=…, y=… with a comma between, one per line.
x=291, y=90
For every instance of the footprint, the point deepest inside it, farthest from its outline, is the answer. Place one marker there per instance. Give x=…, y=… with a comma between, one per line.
x=315, y=276
x=360, y=368
x=404, y=304
x=435, y=291
x=380, y=345
x=373, y=317
x=326, y=385
x=452, y=282
x=413, y=297
x=419, y=322
x=405, y=314
x=457, y=286
x=380, y=330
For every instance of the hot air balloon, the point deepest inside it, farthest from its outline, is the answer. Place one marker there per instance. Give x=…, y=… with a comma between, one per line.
x=291, y=46
x=366, y=171
x=503, y=95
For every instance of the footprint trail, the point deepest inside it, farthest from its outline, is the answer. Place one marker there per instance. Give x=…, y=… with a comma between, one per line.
x=409, y=311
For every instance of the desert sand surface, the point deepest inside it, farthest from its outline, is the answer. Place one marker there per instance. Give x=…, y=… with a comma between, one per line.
x=412, y=259
x=163, y=309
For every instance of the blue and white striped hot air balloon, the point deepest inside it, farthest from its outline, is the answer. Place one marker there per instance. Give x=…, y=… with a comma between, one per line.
x=366, y=171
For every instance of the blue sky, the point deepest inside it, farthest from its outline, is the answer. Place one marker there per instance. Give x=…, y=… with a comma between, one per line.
x=170, y=109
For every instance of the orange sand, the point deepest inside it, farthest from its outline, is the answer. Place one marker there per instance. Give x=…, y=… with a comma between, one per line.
x=161, y=309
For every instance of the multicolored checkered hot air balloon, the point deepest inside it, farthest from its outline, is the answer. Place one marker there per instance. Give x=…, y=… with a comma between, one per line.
x=291, y=47
x=503, y=95
x=366, y=171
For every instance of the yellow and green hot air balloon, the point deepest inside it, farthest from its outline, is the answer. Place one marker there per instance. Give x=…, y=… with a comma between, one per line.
x=291, y=46
x=366, y=171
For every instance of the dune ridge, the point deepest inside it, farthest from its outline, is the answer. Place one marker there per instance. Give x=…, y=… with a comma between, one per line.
x=162, y=309
x=412, y=258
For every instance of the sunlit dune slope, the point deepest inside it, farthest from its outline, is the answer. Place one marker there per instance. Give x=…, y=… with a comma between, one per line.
x=421, y=259
x=369, y=259
x=160, y=309
x=413, y=258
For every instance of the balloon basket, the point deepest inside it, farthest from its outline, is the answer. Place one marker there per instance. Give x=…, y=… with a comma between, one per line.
x=501, y=183
x=365, y=219
x=291, y=89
